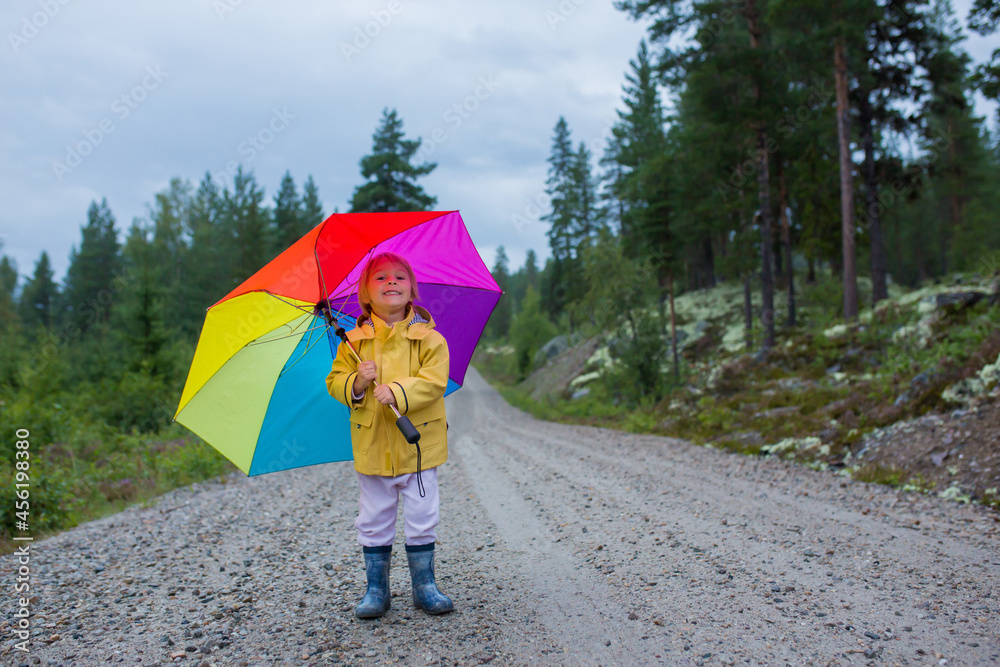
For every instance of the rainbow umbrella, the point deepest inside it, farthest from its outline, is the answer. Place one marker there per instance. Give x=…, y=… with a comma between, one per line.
x=256, y=390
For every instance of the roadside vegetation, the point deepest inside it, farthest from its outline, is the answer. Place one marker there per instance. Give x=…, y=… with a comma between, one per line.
x=924, y=364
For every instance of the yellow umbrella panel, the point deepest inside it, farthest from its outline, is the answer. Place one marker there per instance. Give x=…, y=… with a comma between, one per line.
x=256, y=390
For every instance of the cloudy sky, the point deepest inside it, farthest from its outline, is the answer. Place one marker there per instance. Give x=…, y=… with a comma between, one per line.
x=113, y=98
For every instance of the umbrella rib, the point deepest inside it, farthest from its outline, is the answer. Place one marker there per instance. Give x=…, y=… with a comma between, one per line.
x=309, y=346
x=291, y=335
x=293, y=305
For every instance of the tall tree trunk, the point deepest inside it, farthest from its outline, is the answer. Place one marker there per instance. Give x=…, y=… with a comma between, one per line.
x=747, y=311
x=846, y=183
x=764, y=188
x=767, y=279
x=786, y=238
x=918, y=255
x=673, y=328
x=955, y=200
x=709, y=263
x=779, y=259
x=873, y=213
x=747, y=297
x=811, y=274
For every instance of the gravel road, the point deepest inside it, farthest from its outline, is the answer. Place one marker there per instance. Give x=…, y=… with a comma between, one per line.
x=560, y=545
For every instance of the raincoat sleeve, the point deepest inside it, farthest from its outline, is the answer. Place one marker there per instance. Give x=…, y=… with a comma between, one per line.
x=340, y=381
x=431, y=380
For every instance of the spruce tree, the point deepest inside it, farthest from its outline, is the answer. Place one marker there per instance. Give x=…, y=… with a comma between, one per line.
x=500, y=319
x=208, y=262
x=887, y=75
x=984, y=18
x=391, y=177
x=955, y=160
x=142, y=315
x=561, y=188
x=312, y=208
x=39, y=296
x=247, y=225
x=168, y=244
x=289, y=225
x=8, y=291
x=95, y=269
x=637, y=139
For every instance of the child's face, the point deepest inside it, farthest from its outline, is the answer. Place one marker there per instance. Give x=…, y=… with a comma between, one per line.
x=389, y=288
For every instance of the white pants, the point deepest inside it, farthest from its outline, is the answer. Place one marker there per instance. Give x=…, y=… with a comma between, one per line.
x=376, y=522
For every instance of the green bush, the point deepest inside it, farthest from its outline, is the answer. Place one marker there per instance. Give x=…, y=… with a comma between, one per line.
x=531, y=329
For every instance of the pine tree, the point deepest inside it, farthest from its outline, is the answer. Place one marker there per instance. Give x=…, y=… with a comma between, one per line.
x=525, y=277
x=142, y=315
x=984, y=18
x=500, y=319
x=589, y=218
x=637, y=138
x=8, y=291
x=247, y=224
x=208, y=262
x=312, y=208
x=391, y=177
x=835, y=34
x=955, y=160
x=39, y=296
x=559, y=187
x=168, y=243
x=94, y=272
x=289, y=225
x=562, y=190
x=886, y=76
x=531, y=273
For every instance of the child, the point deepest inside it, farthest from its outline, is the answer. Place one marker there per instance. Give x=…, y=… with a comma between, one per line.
x=406, y=365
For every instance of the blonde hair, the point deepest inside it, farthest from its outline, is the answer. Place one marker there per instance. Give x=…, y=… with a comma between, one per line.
x=364, y=298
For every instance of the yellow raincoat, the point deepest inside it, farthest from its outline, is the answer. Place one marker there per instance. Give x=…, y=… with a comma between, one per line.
x=412, y=359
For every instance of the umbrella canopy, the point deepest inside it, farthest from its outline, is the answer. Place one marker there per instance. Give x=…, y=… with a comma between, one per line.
x=256, y=389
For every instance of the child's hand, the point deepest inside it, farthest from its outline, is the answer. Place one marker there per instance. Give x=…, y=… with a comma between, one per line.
x=367, y=371
x=384, y=395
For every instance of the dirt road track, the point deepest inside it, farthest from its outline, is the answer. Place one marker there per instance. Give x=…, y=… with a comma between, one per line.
x=560, y=545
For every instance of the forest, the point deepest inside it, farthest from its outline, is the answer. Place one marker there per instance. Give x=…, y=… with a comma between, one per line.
x=781, y=145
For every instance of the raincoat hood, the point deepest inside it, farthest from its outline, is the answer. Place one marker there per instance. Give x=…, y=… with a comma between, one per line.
x=416, y=324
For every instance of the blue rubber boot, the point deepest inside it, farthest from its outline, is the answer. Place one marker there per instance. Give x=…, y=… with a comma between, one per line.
x=376, y=600
x=426, y=595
